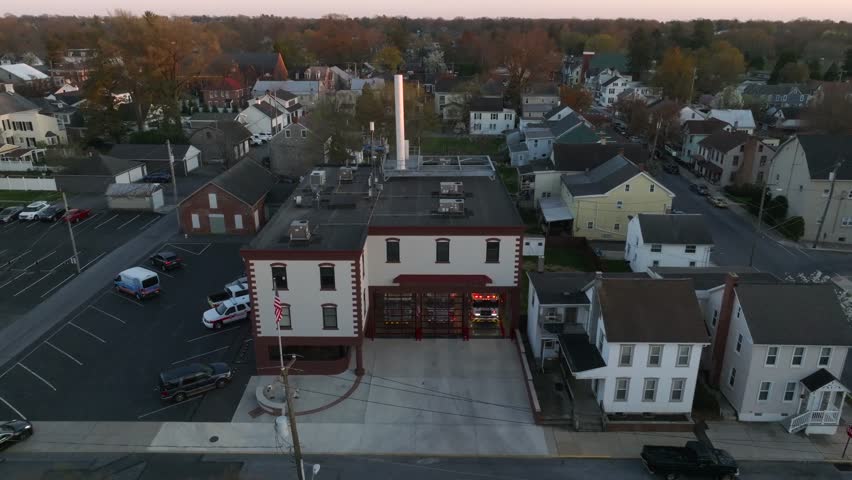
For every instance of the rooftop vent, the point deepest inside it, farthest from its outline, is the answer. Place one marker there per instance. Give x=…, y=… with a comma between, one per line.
x=317, y=178
x=300, y=231
x=346, y=174
x=451, y=206
x=452, y=188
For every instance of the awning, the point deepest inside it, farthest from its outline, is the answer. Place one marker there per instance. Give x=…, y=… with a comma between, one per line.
x=711, y=167
x=462, y=280
x=555, y=210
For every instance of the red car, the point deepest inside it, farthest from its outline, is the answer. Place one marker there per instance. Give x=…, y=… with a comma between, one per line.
x=77, y=214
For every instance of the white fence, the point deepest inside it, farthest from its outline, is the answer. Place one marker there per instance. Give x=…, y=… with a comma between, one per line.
x=27, y=183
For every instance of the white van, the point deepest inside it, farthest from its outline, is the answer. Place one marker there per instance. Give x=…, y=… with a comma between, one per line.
x=137, y=281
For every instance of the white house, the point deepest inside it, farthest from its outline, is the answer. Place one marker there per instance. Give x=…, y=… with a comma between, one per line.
x=694, y=131
x=488, y=116
x=612, y=88
x=267, y=115
x=667, y=240
x=23, y=124
x=740, y=120
x=688, y=113
x=21, y=73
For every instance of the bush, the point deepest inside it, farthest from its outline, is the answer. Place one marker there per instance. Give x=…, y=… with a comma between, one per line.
x=793, y=228
x=775, y=210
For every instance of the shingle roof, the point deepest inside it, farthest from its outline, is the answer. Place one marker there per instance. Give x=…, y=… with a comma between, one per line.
x=247, y=180
x=267, y=109
x=664, y=311
x=704, y=127
x=24, y=71
x=581, y=134
x=824, y=151
x=617, y=61
x=707, y=278
x=582, y=157
x=486, y=104
x=610, y=81
x=724, y=141
x=602, y=179
x=566, y=288
x=679, y=229
x=447, y=84
x=234, y=131
x=98, y=165
x=737, y=118
x=794, y=314
x=541, y=88
x=779, y=89
x=12, y=103
x=819, y=379
x=142, y=152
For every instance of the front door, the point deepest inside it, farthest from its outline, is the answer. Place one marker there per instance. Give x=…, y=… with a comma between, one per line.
x=217, y=223
x=824, y=401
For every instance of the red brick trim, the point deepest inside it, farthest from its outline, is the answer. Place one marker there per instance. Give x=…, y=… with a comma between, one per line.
x=300, y=254
x=326, y=265
x=445, y=230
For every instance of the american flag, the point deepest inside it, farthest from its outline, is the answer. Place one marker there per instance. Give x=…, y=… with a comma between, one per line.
x=279, y=309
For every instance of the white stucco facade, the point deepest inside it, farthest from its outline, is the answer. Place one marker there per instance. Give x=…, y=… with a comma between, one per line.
x=491, y=123
x=642, y=256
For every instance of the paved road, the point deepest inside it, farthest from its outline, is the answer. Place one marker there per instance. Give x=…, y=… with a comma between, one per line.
x=168, y=466
x=734, y=234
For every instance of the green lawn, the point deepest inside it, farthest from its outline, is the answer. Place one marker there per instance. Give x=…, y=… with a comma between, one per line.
x=567, y=257
x=22, y=196
x=462, y=146
x=615, y=265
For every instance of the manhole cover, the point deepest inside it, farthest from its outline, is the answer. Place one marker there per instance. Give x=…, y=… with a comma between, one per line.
x=214, y=439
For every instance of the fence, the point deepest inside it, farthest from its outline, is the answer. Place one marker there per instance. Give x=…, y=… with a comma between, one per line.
x=27, y=183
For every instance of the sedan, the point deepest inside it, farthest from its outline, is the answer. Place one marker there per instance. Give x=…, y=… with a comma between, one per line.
x=51, y=214
x=699, y=189
x=10, y=214
x=30, y=212
x=717, y=202
x=157, y=177
x=77, y=214
x=13, y=432
x=166, y=260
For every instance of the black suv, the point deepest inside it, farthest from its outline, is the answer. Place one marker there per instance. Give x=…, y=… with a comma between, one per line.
x=179, y=383
x=51, y=214
x=166, y=260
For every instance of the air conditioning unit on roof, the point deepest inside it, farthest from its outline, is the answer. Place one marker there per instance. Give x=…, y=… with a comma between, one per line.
x=452, y=188
x=300, y=230
x=451, y=205
x=317, y=178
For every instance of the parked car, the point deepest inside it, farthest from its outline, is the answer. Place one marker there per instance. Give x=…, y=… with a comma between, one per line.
x=700, y=189
x=166, y=260
x=671, y=168
x=75, y=215
x=717, y=202
x=137, y=281
x=693, y=459
x=157, y=177
x=14, y=431
x=179, y=383
x=51, y=214
x=233, y=290
x=30, y=212
x=260, y=138
x=229, y=311
x=10, y=214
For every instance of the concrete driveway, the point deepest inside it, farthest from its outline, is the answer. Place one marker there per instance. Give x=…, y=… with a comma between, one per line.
x=429, y=397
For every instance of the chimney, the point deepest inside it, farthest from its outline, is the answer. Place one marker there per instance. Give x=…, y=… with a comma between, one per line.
x=8, y=88
x=587, y=59
x=399, y=109
x=723, y=327
x=621, y=151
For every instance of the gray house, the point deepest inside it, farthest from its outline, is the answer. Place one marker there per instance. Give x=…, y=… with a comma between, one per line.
x=782, y=95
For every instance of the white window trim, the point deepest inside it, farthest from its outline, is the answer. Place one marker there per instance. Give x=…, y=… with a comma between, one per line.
x=777, y=353
x=621, y=355
x=645, y=389
x=659, y=359
x=213, y=201
x=682, y=390
x=688, y=356
x=819, y=359
x=768, y=391
x=738, y=347
x=784, y=397
x=626, y=389
x=804, y=354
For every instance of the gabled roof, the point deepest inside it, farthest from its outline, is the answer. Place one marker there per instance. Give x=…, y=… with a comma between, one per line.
x=553, y=111
x=567, y=288
x=794, y=314
x=819, y=379
x=446, y=85
x=617, y=61
x=13, y=103
x=736, y=118
x=97, y=165
x=226, y=83
x=582, y=157
x=611, y=80
x=708, y=278
x=267, y=109
x=676, y=229
x=298, y=87
x=143, y=152
x=779, y=89
x=601, y=179
x=492, y=88
x=704, y=127
x=24, y=71
x=261, y=62
x=541, y=89
x=824, y=151
x=651, y=311
x=564, y=124
x=581, y=134
x=486, y=104
x=247, y=180
x=724, y=141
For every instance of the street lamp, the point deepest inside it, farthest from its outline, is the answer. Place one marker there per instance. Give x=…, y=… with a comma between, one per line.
x=763, y=192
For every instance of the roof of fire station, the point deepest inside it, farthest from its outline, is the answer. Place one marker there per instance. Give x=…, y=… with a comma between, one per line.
x=340, y=220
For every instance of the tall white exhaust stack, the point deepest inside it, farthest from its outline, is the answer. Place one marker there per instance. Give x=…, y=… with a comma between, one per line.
x=399, y=108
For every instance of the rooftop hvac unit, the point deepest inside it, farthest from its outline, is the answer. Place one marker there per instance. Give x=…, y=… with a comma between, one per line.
x=451, y=205
x=317, y=178
x=452, y=188
x=346, y=174
x=300, y=230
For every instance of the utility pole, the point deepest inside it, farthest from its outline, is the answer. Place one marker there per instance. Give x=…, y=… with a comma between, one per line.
x=833, y=177
x=71, y=233
x=291, y=415
x=174, y=181
x=653, y=151
x=759, y=224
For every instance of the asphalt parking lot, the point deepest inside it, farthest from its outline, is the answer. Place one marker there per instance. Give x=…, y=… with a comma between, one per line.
x=36, y=258
x=103, y=360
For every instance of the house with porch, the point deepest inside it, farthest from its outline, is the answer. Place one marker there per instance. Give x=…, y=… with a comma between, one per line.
x=667, y=240
x=22, y=122
x=734, y=157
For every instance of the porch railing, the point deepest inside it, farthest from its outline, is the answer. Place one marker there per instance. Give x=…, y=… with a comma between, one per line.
x=815, y=417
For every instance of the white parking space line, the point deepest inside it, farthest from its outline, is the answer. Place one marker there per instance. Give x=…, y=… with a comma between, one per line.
x=124, y=297
x=12, y=280
x=32, y=224
x=174, y=245
x=204, y=249
x=3, y=251
x=109, y=220
x=107, y=314
x=13, y=408
x=164, y=273
x=39, y=260
x=202, y=354
x=19, y=256
x=33, y=284
x=140, y=417
x=54, y=224
x=214, y=333
x=63, y=262
x=125, y=223
x=78, y=327
x=93, y=261
x=143, y=227
x=36, y=375
x=63, y=352
x=58, y=284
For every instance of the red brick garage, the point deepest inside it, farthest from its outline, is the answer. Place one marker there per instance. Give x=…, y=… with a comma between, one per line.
x=232, y=203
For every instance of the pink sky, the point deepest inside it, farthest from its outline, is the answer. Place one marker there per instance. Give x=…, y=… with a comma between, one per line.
x=655, y=9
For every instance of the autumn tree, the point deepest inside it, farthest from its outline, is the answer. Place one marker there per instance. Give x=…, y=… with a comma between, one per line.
x=719, y=65
x=602, y=43
x=335, y=132
x=703, y=32
x=832, y=113
x=576, y=97
x=389, y=58
x=528, y=56
x=675, y=74
x=794, y=73
x=292, y=48
x=783, y=59
x=640, y=51
x=635, y=115
x=572, y=43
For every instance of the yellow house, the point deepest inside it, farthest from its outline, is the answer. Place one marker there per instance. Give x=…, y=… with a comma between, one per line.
x=598, y=204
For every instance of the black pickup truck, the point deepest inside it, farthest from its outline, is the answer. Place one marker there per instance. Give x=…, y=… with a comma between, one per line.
x=693, y=459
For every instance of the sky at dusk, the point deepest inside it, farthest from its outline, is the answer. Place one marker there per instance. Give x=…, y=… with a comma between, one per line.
x=652, y=9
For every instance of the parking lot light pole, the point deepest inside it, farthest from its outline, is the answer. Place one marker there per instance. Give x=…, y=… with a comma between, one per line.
x=71, y=233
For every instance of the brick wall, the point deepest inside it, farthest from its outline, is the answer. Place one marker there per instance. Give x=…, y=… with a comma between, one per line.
x=199, y=203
